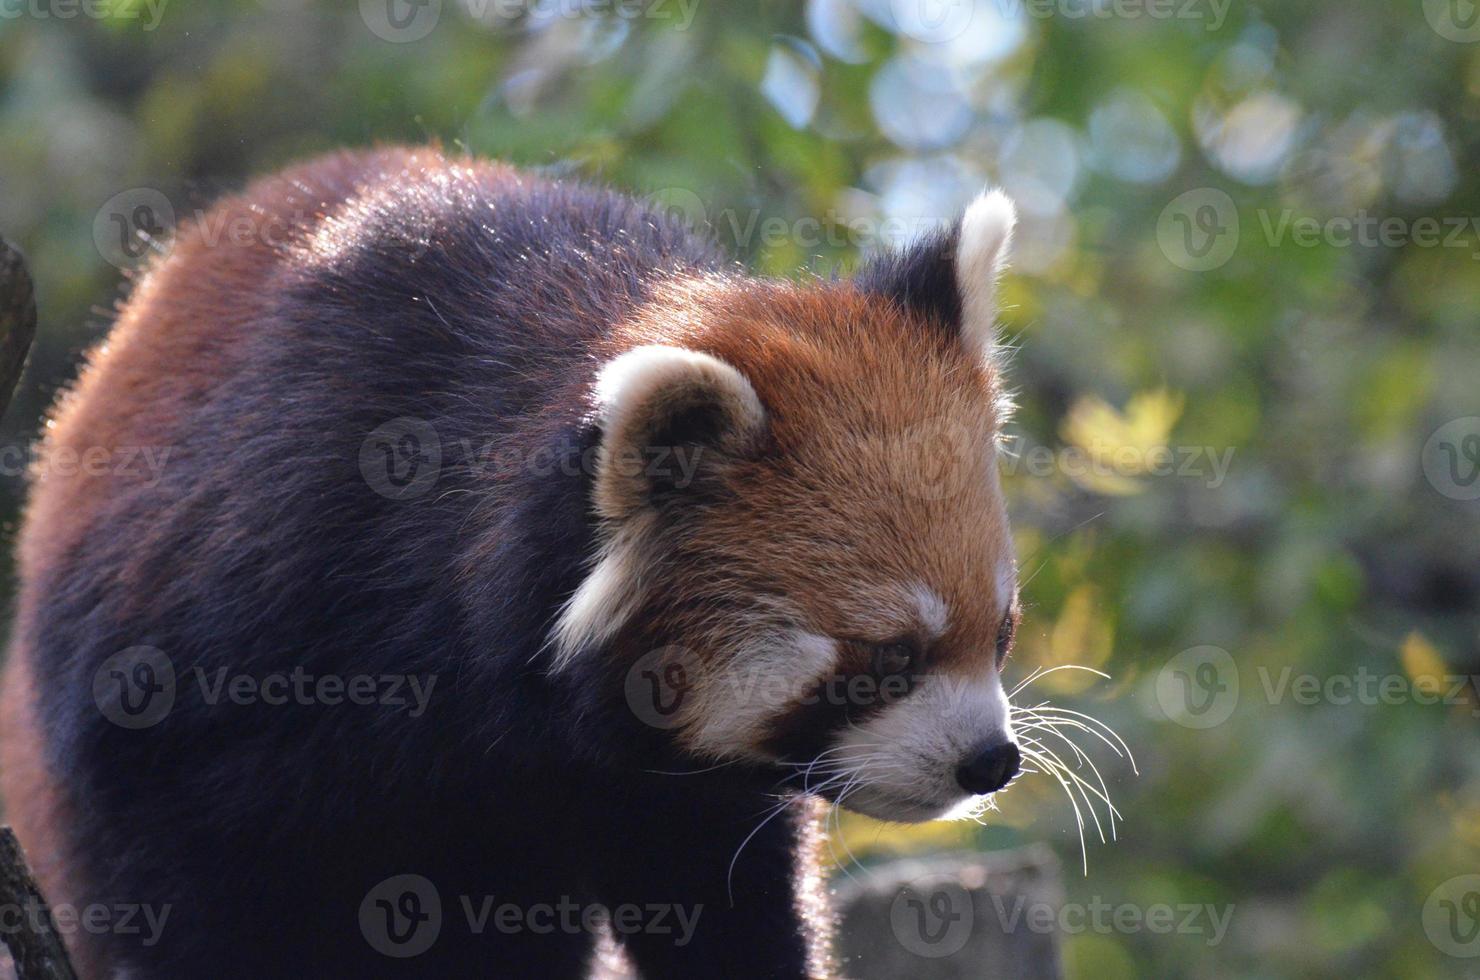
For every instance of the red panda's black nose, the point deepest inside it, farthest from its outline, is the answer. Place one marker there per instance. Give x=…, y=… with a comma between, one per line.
x=990, y=769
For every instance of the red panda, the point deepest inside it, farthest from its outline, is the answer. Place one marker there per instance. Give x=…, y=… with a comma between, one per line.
x=538, y=452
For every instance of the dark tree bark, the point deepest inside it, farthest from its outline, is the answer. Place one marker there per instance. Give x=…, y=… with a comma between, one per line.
x=34, y=942
x=17, y=319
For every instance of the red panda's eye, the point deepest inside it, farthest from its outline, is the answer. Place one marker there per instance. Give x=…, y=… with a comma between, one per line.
x=1005, y=634
x=892, y=659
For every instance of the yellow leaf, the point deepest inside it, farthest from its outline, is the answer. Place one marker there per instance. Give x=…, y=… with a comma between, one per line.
x=1423, y=664
x=1083, y=634
x=1107, y=449
x=856, y=835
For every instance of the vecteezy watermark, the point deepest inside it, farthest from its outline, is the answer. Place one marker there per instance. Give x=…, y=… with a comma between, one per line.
x=936, y=915
x=1454, y=20
x=402, y=917
x=299, y=687
x=143, y=464
x=678, y=14
x=137, y=225
x=745, y=229
x=132, y=225
x=138, y=687
x=150, y=12
x=1200, y=688
x=1451, y=459
x=141, y=224
x=401, y=21
x=1200, y=230
x=663, y=685
x=404, y=458
x=1369, y=688
x=1451, y=917
x=1207, y=464
x=933, y=917
x=1364, y=229
x=404, y=21
x=118, y=919
x=659, y=684
x=1212, y=14
x=1204, y=920
x=566, y=915
x=942, y=21
x=135, y=688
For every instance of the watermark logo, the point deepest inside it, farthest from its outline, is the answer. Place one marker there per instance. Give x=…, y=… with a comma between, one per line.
x=660, y=685
x=138, y=687
x=1451, y=459
x=135, y=688
x=402, y=916
x=401, y=21
x=1454, y=20
x=933, y=917
x=932, y=21
x=1364, y=229
x=1451, y=917
x=568, y=916
x=1207, y=921
x=132, y=226
x=401, y=459
x=1199, y=687
x=141, y=464
x=936, y=459
x=1102, y=461
x=682, y=206
x=1199, y=230
x=145, y=922
x=149, y=12
x=1211, y=13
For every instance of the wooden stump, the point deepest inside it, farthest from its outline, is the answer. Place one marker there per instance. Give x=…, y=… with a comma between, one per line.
x=966, y=916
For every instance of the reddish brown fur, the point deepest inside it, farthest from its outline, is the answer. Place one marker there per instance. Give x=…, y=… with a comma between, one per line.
x=186, y=326
x=877, y=475
x=839, y=505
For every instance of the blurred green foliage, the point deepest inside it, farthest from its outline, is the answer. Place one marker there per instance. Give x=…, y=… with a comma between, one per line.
x=1316, y=366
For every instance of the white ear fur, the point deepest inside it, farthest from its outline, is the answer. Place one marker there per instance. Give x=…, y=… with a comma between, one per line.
x=635, y=393
x=638, y=390
x=981, y=254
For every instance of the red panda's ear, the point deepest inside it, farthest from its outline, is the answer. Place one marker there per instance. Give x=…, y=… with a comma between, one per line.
x=666, y=416
x=951, y=276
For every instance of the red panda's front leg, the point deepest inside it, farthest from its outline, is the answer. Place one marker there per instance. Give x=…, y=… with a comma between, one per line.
x=697, y=904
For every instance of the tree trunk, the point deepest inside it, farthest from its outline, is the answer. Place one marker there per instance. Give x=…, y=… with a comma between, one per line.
x=35, y=945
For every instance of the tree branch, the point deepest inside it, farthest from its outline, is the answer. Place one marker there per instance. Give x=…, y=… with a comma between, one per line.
x=34, y=942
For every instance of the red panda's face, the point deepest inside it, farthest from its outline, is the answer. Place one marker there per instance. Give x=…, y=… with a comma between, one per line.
x=800, y=506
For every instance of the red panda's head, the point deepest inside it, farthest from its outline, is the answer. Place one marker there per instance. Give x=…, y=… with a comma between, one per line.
x=800, y=511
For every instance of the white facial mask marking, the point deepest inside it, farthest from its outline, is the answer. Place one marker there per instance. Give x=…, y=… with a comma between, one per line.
x=732, y=708
x=907, y=754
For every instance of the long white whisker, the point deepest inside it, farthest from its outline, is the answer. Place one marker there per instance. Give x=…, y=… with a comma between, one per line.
x=1040, y=673
x=1102, y=792
x=1053, y=771
x=1099, y=725
x=1075, y=780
